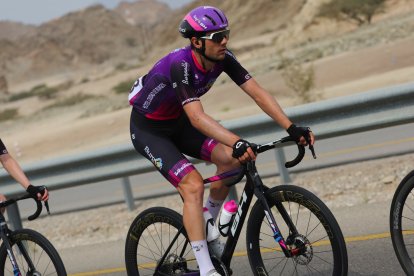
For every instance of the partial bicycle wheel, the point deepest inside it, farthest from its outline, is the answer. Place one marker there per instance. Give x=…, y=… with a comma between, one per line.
x=156, y=233
x=40, y=251
x=315, y=235
x=402, y=223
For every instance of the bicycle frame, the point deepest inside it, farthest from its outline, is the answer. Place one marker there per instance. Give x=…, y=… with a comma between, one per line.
x=253, y=187
x=4, y=233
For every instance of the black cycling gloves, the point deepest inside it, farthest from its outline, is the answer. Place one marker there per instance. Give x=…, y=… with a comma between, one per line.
x=297, y=132
x=34, y=190
x=240, y=147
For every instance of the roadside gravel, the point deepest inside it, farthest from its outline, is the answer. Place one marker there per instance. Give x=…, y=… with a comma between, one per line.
x=342, y=186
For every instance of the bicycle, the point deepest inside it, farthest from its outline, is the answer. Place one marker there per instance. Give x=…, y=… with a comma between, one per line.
x=289, y=232
x=402, y=223
x=29, y=253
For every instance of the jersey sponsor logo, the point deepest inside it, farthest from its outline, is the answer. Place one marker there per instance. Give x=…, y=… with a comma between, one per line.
x=174, y=85
x=248, y=77
x=5, y=151
x=203, y=90
x=186, y=74
x=156, y=161
x=152, y=94
x=182, y=168
x=133, y=136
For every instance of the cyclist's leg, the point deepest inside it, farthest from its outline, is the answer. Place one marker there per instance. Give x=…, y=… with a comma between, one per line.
x=155, y=144
x=191, y=189
x=193, y=143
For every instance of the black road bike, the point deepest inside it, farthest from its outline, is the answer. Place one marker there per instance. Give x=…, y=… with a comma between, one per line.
x=289, y=232
x=26, y=252
x=402, y=223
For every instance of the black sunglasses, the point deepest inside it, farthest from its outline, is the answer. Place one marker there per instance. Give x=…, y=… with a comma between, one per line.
x=218, y=37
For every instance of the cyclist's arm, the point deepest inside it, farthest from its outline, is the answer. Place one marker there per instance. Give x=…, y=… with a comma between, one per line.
x=266, y=102
x=269, y=105
x=13, y=168
x=15, y=171
x=207, y=125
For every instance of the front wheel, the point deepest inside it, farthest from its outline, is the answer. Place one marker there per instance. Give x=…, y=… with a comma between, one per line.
x=314, y=235
x=29, y=246
x=402, y=223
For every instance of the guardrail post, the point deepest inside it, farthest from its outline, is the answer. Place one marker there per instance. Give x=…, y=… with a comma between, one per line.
x=129, y=199
x=281, y=160
x=14, y=217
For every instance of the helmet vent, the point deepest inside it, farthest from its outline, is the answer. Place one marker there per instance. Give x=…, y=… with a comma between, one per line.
x=218, y=14
x=211, y=19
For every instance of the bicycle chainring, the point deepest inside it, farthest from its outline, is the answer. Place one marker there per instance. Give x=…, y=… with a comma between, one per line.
x=301, y=249
x=220, y=267
x=173, y=265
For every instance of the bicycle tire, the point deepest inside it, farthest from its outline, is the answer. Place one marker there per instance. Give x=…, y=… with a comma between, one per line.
x=148, y=238
x=319, y=236
x=42, y=253
x=401, y=217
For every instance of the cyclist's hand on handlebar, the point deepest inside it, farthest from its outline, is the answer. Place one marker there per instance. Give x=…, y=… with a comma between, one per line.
x=302, y=135
x=243, y=151
x=38, y=192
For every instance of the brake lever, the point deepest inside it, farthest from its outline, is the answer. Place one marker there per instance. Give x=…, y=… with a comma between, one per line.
x=47, y=207
x=312, y=150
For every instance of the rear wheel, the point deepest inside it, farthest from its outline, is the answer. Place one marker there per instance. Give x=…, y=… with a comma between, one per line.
x=318, y=245
x=156, y=233
x=40, y=252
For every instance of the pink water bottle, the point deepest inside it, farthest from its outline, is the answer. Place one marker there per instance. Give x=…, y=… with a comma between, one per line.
x=229, y=209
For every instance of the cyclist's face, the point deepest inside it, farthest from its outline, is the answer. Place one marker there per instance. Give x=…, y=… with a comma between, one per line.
x=216, y=50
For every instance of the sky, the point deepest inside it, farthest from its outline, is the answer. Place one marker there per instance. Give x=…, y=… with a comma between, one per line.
x=40, y=11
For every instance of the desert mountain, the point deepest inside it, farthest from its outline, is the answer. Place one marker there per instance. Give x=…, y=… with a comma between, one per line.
x=136, y=32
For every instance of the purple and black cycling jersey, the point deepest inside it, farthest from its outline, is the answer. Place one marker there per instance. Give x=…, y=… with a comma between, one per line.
x=160, y=130
x=178, y=79
x=3, y=149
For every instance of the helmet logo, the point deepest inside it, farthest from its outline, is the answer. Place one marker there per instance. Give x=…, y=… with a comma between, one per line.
x=196, y=19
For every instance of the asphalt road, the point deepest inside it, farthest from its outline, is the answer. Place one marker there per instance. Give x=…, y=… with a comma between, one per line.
x=365, y=228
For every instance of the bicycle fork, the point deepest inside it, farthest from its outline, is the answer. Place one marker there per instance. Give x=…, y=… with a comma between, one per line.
x=277, y=235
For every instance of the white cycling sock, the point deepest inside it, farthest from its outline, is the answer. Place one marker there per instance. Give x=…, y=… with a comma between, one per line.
x=214, y=206
x=200, y=250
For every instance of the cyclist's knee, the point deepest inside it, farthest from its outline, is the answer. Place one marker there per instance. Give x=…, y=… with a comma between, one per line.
x=221, y=156
x=191, y=186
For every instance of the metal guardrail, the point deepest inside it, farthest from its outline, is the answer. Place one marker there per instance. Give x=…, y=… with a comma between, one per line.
x=329, y=118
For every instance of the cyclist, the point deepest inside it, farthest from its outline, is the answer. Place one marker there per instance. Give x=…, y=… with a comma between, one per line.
x=168, y=119
x=13, y=168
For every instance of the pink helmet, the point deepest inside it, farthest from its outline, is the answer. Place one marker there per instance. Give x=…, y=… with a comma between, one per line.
x=202, y=20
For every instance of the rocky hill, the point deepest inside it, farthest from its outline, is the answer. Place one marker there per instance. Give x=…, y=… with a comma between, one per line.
x=137, y=32
x=146, y=13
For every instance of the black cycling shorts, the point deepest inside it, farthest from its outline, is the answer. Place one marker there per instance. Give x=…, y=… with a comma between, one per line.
x=164, y=143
